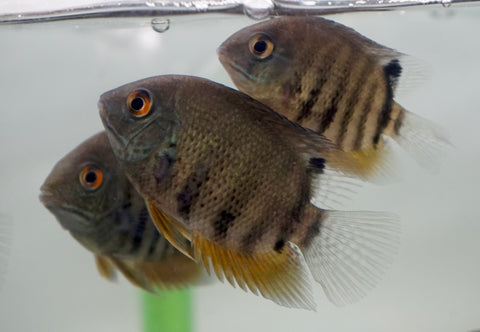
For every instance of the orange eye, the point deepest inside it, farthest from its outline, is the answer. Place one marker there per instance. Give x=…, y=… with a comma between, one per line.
x=139, y=103
x=261, y=46
x=91, y=177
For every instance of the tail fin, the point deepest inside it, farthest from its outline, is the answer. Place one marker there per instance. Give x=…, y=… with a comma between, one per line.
x=422, y=139
x=350, y=251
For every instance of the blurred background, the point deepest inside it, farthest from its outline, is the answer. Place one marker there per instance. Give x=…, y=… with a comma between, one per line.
x=51, y=76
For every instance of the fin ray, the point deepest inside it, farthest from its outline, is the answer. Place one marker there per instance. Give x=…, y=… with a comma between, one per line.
x=421, y=139
x=281, y=277
x=351, y=251
x=173, y=231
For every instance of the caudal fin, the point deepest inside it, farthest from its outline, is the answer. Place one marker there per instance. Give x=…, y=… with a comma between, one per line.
x=350, y=252
x=420, y=138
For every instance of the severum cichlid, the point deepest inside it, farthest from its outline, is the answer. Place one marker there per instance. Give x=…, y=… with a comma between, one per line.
x=235, y=178
x=92, y=198
x=331, y=79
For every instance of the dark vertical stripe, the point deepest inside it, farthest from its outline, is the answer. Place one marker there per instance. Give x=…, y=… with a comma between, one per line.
x=139, y=230
x=291, y=222
x=306, y=107
x=384, y=116
x=353, y=100
x=190, y=191
x=322, y=77
x=330, y=111
x=328, y=115
x=363, y=119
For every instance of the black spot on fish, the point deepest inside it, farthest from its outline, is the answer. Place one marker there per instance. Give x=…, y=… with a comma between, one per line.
x=190, y=191
x=316, y=165
x=392, y=71
x=222, y=224
x=279, y=245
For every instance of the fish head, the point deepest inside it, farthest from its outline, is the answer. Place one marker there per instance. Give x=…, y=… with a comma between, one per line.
x=259, y=59
x=85, y=188
x=139, y=117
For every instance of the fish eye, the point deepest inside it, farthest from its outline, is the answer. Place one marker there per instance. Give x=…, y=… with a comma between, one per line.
x=139, y=103
x=91, y=177
x=261, y=46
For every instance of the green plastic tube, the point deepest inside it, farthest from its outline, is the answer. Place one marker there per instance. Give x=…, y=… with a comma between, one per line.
x=170, y=311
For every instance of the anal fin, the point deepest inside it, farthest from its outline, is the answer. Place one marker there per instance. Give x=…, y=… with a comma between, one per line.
x=173, y=230
x=172, y=272
x=282, y=277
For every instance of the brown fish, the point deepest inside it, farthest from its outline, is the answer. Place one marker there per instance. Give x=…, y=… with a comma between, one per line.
x=91, y=198
x=236, y=179
x=329, y=78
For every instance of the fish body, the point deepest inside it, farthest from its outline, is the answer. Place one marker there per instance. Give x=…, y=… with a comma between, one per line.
x=331, y=79
x=92, y=198
x=235, y=178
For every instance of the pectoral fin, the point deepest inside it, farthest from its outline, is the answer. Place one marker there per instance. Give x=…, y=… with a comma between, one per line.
x=173, y=230
x=105, y=267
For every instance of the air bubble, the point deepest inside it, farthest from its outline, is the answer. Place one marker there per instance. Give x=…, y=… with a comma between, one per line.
x=446, y=3
x=258, y=9
x=160, y=24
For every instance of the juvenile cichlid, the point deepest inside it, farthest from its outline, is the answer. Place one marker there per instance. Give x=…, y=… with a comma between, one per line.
x=329, y=78
x=92, y=198
x=236, y=179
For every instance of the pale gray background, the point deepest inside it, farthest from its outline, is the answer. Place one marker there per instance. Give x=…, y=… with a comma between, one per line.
x=50, y=78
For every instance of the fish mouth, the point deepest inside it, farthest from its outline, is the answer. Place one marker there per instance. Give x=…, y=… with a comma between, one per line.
x=108, y=126
x=238, y=69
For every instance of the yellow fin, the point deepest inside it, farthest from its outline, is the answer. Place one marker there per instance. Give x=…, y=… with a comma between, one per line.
x=282, y=277
x=173, y=230
x=374, y=161
x=105, y=267
x=173, y=272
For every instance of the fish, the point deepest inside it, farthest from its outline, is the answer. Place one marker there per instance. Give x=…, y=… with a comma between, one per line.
x=331, y=79
x=92, y=199
x=236, y=179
